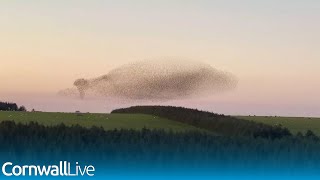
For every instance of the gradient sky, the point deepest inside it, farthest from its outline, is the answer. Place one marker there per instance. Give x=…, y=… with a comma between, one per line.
x=273, y=46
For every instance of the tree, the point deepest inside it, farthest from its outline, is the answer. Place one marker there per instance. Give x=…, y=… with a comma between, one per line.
x=22, y=108
x=311, y=135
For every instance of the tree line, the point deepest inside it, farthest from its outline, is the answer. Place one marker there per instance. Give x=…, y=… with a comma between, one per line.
x=127, y=147
x=8, y=106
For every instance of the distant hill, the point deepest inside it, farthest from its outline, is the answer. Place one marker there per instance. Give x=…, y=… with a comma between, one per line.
x=218, y=123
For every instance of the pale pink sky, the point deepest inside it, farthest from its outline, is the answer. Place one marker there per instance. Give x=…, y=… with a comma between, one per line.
x=271, y=46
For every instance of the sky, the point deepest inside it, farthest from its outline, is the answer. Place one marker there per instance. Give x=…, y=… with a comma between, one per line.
x=272, y=46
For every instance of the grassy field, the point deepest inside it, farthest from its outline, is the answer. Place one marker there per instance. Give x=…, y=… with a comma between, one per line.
x=107, y=121
x=294, y=124
x=138, y=121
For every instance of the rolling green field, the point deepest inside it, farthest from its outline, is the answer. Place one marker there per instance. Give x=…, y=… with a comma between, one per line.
x=138, y=121
x=294, y=124
x=107, y=121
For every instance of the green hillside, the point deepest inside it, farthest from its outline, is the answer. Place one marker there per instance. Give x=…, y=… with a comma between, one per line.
x=138, y=121
x=216, y=123
x=294, y=124
x=107, y=121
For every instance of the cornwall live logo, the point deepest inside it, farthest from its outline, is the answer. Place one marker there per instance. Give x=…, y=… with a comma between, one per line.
x=64, y=168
